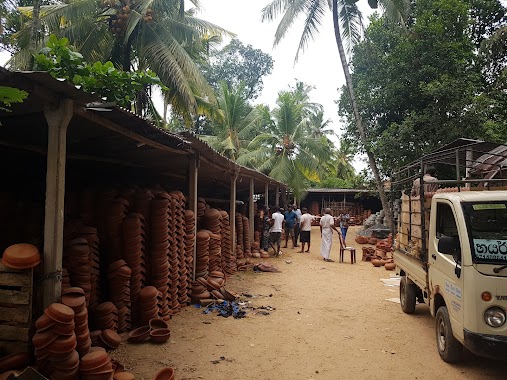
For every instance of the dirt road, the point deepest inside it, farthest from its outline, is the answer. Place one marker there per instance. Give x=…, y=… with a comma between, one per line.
x=331, y=321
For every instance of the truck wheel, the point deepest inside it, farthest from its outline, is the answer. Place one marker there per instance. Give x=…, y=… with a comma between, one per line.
x=450, y=350
x=408, y=294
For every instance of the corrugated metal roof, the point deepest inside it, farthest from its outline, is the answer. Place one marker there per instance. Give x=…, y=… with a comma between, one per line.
x=340, y=191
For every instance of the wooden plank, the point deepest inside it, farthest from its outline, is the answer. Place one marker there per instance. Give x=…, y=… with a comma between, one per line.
x=15, y=279
x=14, y=297
x=12, y=347
x=15, y=314
x=14, y=333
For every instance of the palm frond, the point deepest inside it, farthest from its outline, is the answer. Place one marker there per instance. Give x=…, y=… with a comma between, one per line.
x=351, y=23
x=395, y=10
x=314, y=14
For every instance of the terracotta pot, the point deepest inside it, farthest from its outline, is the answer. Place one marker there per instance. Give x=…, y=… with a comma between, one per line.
x=165, y=374
x=160, y=335
x=94, y=360
x=111, y=338
x=157, y=323
x=376, y=262
x=390, y=266
x=140, y=334
x=123, y=376
x=60, y=313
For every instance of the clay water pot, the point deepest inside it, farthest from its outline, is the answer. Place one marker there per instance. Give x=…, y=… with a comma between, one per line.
x=376, y=262
x=390, y=266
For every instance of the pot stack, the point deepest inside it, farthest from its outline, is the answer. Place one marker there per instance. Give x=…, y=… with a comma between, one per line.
x=247, y=250
x=201, y=207
x=239, y=236
x=200, y=290
x=228, y=259
x=149, y=300
x=189, y=246
x=174, y=257
x=55, y=343
x=118, y=275
x=95, y=294
x=142, y=205
x=159, y=260
x=202, y=254
x=96, y=365
x=106, y=316
x=77, y=261
x=133, y=253
x=114, y=218
x=212, y=221
x=75, y=299
x=181, y=235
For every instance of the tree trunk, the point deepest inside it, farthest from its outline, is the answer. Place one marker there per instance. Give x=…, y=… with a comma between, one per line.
x=34, y=33
x=357, y=115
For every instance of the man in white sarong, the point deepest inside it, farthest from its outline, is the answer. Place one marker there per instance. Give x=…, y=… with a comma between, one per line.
x=326, y=233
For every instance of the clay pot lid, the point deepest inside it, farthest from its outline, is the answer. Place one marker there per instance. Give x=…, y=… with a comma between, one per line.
x=73, y=301
x=93, y=360
x=217, y=273
x=105, y=308
x=60, y=313
x=98, y=348
x=73, y=290
x=148, y=292
x=203, y=235
x=21, y=256
x=62, y=345
x=111, y=338
x=43, y=339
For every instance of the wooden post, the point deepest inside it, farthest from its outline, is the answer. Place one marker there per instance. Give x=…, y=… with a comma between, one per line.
x=58, y=120
x=277, y=196
x=266, y=196
x=251, y=211
x=193, y=171
x=232, y=212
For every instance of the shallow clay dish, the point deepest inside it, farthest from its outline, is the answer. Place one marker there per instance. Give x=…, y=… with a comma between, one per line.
x=140, y=334
x=165, y=374
x=157, y=323
x=160, y=335
x=110, y=338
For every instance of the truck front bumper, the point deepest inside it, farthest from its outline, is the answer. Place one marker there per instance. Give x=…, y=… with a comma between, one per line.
x=488, y=346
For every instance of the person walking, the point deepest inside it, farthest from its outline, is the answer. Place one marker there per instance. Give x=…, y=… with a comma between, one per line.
x=297, y=226
x=344, y=223
x=326, y=232
x=266, y=226
x=290, y=221
x=306, y=228
x=277, y=222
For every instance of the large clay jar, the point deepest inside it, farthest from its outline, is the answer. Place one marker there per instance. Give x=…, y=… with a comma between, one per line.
x=390, y=266
x=376, y=262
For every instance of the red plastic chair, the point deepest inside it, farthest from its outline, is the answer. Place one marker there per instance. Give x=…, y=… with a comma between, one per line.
x=344, y=248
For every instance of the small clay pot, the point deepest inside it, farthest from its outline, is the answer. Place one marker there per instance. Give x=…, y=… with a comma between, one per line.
x=140, y=334
x=157, y=323
x=165, y=374
x=160, y=335
x=376, y=262
x=390, y=266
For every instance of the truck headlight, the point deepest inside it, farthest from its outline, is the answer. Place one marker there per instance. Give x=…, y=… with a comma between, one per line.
x=494, y=316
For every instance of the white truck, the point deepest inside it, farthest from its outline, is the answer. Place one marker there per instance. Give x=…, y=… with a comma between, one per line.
x=451, y=253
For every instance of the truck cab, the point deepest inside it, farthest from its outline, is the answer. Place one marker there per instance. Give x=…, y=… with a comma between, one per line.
x=467, y=271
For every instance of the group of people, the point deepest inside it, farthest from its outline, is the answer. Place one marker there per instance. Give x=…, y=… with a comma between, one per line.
x=297, y=225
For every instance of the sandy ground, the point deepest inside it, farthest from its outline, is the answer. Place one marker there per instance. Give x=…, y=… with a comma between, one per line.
x=330, y=321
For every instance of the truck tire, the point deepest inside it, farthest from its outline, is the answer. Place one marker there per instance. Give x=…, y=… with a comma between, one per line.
x=408, y=295
x=449, y=349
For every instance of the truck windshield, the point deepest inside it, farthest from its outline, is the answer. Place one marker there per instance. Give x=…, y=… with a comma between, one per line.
x=487, y=230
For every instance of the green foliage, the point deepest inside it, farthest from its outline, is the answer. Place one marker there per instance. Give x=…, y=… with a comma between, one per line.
x=237, y=63
x=421, y=87
x=9, y=95
x=107, y=81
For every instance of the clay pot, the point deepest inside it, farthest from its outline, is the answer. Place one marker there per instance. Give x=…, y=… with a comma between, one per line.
x=110, y=338
x=14, y=361
x=60, y=313
x=165, y=374
x=159, y=335
x=94, y=360
x=123, y=376
x=157, y=323
x=21, y=256
x=390, y=266
x=140, y=334
x=376, y=262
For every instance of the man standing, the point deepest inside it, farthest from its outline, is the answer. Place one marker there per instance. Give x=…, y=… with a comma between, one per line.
x=306, y=228
x=326, y=233
x=430, y=175
x=290, y=221
x=277, y=222
x=344, y=223
x=297, y=226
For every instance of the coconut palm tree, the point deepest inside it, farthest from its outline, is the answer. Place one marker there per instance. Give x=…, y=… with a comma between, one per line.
x=347, y=25
x=285, y=150
x=344, y=156
x=235, y=122
x=142, y=34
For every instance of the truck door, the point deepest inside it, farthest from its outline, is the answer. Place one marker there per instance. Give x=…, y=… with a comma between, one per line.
x=444, y=272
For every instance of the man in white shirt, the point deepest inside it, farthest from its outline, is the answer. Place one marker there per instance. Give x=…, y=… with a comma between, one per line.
x=306, y=228
x=326, y=232
x=277, y=220
x=297, y=226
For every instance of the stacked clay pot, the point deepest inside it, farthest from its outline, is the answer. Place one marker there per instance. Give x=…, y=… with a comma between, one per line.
x=202, y=254
x=149, y=301
x=133, y=253
x=212, y=222
x=118, y=275
x=247, y=250
x=106, y=316
x=55, y=343
x=96, y=366
x=200, y=290
x=201, y=207
x=65, y=278
x=117, y=211
x=189, y=246
x=228, y=259
x=239, y=236
x=174, y=256
x=109, y=339
x=75, y=299
x=181, y=235
x=76, y=258
x=159, y=260
x=92, y=291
